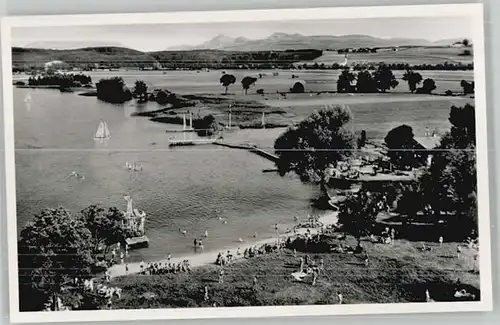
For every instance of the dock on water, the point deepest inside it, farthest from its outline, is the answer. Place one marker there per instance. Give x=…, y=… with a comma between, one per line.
x=182, y=143
x=137, y=242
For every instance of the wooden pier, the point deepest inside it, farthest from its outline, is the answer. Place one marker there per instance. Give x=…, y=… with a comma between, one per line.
x=183, y=143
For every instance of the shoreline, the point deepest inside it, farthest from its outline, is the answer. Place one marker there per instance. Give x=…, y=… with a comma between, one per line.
x=209, y=257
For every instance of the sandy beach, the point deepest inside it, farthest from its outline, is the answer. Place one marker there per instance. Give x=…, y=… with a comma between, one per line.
x=210, y=257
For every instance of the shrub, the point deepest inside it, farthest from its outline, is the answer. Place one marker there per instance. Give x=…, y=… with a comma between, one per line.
x=113, y=90
x=298, y=87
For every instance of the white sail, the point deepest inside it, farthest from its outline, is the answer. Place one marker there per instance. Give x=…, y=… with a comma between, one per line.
x=100, y=131
x=263, y=119
x=27, y=99
x=345, y=61
x=183, y=121
x=107, y=134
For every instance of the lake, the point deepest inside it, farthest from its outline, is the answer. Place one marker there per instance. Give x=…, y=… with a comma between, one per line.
x=188, y=188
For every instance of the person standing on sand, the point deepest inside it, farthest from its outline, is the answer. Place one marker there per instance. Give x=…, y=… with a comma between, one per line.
x=200, y=244
x=341, y=298
x=121, y=258
x=195, y=244
x=221, y=276
x=206, y=233
x=169, y=257
x=126, y=268
x=301, y=264
x=206, y=298
x=441, y=241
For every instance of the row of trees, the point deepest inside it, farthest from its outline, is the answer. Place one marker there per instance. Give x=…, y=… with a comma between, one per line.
x=62, y=80
x=446, y=66
x=449, y=184
x=56, y=247
x=228, y=79
x=380, y=80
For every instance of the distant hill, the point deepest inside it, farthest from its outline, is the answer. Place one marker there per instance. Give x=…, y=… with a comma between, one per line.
x=69, y=45
x=81, y=57
x=284, y=41
x=119, y=57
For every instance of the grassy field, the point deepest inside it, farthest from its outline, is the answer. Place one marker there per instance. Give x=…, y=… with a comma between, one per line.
x=412, y=56
x=396, y=273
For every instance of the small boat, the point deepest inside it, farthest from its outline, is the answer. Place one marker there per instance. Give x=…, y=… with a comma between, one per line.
x=28, y=99
x=102, y=131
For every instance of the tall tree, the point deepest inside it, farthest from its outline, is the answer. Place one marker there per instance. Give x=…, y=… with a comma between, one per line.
x=247, y=82
x=413, y=79
x=344, y=81
x=106, y=227
x=428, y=86
x=53, y=249
x=315, y=145
x=366, y=83
x=450, y=184
x=141, y=90
x=358, y=214
x=401, y=144
x=385, y=78
x=226, y=80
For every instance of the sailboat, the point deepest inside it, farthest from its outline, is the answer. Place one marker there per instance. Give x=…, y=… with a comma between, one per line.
x=28, y=99
x=345, y=61
x=102, y=131
x=263, y=120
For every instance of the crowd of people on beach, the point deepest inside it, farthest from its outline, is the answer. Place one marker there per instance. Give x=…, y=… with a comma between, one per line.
x=159, y=268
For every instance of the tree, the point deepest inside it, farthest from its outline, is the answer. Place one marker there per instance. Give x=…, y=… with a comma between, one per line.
x=465, y=42
x=53, y=249
x=315, y=145
x=450, y=184
x=362, y=139
x=141, y=90
x=410, y=202
x=298, y=87
x=226, y=80
x=106, y=227
x=358, y=214
x=366, y=83
x=247, y=82
x=385, y=78
x=428, y=86
x=344, y=81
x=113, y=90
x=402, y=149
x=413, y=79
x=468, y=87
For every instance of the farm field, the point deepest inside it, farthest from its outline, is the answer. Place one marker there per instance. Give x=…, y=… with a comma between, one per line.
x=412, y=56
x=193, y=82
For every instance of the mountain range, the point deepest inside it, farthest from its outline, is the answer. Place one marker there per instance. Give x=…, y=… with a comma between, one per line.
x=284, y=41
x=70, y=45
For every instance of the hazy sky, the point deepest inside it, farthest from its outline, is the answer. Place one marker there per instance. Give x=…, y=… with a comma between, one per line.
x=160, y=37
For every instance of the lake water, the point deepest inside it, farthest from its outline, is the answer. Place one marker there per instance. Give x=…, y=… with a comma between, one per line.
x=186, y=188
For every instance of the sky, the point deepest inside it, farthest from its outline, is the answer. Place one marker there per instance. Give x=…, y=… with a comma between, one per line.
x=161, y=37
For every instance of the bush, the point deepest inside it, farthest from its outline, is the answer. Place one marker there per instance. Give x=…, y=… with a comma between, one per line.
x=113, y=90
x=260, y=91
x=297, y=88
x=19, y=83
x=449, y=93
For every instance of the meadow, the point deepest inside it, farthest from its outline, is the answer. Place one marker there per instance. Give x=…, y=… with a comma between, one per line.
x=409, y=55
x=396, y=273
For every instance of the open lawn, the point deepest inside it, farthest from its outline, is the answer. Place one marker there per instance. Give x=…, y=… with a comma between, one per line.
x=395, y=273
x=412, y=56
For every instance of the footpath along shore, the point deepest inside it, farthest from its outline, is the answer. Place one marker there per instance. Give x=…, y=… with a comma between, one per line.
x=210, y=257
